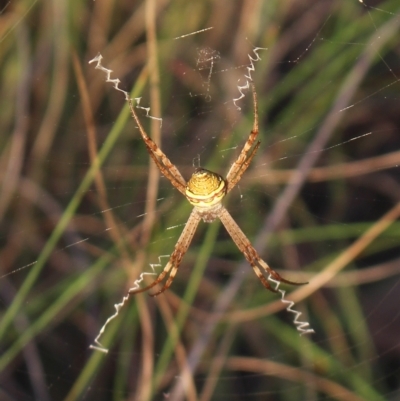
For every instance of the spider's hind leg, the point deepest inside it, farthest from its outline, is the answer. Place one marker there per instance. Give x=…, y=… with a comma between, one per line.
x=275, y=275
x=169, y=281
x=255, y=260
x=160, y=277
x=261, y=277
x=174, y=261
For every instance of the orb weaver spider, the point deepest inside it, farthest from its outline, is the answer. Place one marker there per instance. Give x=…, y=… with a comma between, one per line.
x=205, y=191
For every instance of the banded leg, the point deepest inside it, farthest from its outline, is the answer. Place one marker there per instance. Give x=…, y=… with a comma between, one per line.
x=232, y=183
x=165, y=165
x=166, y=172
x=249, y=252
x=241, y=164
x=179, y=252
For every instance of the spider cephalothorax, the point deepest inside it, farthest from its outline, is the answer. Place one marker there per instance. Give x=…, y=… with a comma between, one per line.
x=205, y=191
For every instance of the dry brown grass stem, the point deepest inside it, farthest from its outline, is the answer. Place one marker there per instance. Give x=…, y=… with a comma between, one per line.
x=58, y=90
x=11, y=161
x=338, y=171
x=180, y=350
x=266, y=367
x=217, y=364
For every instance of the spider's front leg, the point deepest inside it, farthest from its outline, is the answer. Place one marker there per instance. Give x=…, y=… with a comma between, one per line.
x=165, y=165
x=244, y=159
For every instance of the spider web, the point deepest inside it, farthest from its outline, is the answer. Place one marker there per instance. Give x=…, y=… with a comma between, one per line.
x=319, y=203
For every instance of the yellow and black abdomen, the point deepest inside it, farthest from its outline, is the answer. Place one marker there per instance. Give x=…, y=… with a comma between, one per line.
x=205, y=188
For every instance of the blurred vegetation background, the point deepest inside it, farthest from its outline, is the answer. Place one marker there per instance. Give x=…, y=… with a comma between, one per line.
x=84, y=212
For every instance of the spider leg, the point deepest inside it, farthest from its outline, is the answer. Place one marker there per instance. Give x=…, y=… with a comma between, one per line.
x=179, y=252
x=259, y=274
x=249, y=252
x=166, y=172
x=232, y=183
x=169, y=281
x=161, y=276
x=241, y=164
x=274, y=274
x=165, y=165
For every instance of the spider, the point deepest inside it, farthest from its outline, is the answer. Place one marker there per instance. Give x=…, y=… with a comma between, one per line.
x=205, y=191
